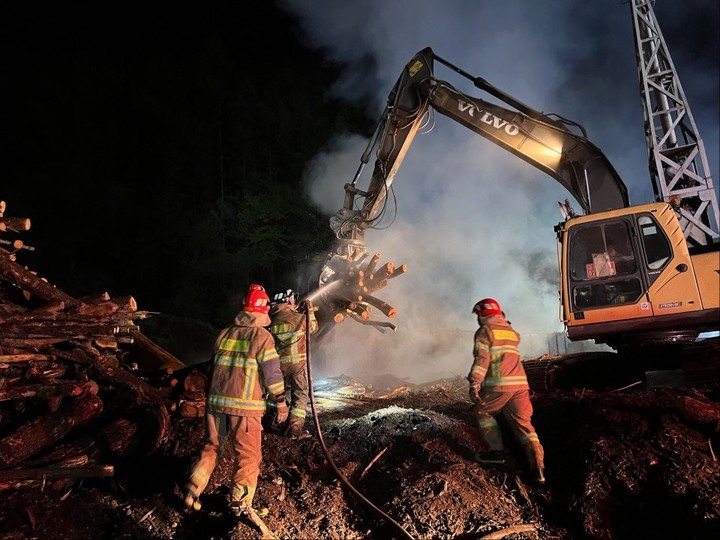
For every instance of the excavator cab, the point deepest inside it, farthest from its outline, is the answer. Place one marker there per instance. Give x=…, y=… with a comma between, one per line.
x=628, y=278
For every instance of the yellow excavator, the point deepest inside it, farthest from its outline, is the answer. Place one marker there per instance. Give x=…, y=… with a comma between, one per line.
x=629, y=274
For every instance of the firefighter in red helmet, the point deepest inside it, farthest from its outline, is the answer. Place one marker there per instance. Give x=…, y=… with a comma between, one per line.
x=499, y=386
x=245, y=368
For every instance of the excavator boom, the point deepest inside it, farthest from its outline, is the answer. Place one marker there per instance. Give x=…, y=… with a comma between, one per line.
x=541, y=140
x=569, y=158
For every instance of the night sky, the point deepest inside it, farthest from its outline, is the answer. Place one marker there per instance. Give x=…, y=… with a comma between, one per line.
x=122, y=128
x=105, y=104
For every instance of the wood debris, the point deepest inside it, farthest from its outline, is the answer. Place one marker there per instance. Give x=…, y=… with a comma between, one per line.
x=80, y=385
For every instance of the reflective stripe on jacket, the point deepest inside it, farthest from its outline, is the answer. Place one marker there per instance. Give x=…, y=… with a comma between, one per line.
x=245, y=367
x=496, y=364
x=288, y=329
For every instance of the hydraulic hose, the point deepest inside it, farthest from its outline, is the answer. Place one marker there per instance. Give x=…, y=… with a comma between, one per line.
x=307, y=306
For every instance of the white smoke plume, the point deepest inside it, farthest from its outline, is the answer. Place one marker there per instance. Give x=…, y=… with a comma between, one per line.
x=473, y=220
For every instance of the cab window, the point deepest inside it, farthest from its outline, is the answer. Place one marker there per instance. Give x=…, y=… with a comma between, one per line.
x=600, y=251
x=603, y=268
x=657, y=246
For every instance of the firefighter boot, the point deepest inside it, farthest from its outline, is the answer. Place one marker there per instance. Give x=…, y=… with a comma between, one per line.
x=241, y=510
x=537, y=476
x=192, y=498
x=535, y=458
x=492, y=457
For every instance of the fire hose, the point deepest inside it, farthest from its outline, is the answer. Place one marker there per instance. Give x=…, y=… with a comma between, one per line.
x=307, y=307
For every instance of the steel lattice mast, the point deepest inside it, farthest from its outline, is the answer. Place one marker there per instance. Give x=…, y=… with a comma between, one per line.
x=678, y=162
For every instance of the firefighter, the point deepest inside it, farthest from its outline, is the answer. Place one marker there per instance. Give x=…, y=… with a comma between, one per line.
x=288, y=327
x=245, y=370
x=499, y=386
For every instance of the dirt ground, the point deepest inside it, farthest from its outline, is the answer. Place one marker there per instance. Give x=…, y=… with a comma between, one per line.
x=638, y=462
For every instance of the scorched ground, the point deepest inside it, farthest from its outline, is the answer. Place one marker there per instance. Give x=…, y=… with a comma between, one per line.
x=621, y=464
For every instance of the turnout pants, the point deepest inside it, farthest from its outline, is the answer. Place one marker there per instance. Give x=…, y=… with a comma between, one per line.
x=517, y=410
x=245, y=432
x=296, y=380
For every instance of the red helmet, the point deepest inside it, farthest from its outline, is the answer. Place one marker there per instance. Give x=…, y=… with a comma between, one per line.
x=486, y=307
x=256, y=299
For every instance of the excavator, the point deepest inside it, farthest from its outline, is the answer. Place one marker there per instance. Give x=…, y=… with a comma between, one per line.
x=630, y=275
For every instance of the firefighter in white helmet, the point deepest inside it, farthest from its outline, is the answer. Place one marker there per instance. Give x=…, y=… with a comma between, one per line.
x=499, y=386
x=289, y=328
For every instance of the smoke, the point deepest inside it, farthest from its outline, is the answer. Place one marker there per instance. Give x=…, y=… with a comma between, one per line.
x=470, y=219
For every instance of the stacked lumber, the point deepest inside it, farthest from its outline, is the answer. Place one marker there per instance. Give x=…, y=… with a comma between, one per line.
x=72, y=396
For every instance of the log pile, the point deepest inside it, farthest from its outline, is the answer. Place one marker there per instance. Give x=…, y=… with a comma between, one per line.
x=72, y=396
x=353, y=292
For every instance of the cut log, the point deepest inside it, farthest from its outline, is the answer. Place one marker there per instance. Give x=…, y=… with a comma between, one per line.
x=399, y=270
x=40, y=391
x=35, y=372
x=15, y=358
x=14, y=224
x=45, y=431
x=144, y=431
x=386, y=308
x=37, y=485
x=195, y=382
x=380, y=325
x=24, y=279
x=47, y=309
x=698, y=412
x=43, y=318
x=112, y=440
x=95, y=298
x=107, y=370
x=15, y=245
x=361, y=310
x=7, y=305
x=75, y=355
x=48, y=329
x=30, y=343
x=149, y=355
x=120, y=436
x=375, y=286
x=382, y=273
x=50, y=472
x=124, y=304
x=372, y=264
x=156, y=429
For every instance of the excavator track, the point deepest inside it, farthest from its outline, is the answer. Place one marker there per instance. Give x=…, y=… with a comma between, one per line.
x=693, y=365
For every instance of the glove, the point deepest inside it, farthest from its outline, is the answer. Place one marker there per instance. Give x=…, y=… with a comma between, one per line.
x=282, y=412
x=474, y=393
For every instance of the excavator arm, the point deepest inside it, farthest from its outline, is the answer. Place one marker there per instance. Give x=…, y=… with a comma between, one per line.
x=544, y=141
